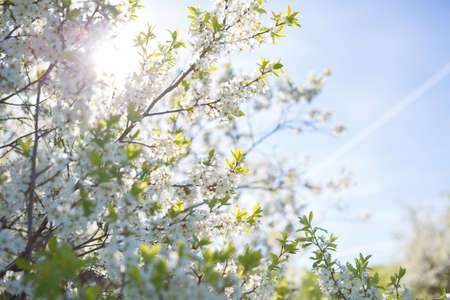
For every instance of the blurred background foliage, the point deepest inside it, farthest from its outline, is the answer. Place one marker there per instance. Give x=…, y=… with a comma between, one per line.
x=425, y=254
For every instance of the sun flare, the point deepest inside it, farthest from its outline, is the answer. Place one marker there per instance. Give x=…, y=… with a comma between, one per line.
x=115, y=55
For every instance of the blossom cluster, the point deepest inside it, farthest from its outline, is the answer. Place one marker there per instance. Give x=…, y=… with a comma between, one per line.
x=347, y=281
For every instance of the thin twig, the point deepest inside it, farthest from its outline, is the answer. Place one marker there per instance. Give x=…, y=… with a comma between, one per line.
x=156, y=100
x=138, y=143
x=182, y=109
x=39, y=80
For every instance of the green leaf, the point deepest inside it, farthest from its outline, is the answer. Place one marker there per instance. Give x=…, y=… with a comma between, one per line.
x=211, y=154
x=137, y=188
x=310, y=217
x=25, y=146
x=65, y=3
x=256, y=214
x=250, y=259
x=74, y=13
x=112, y=121
x=174, y=34
x=59, y=265
x=288, y=10
x=194, y=11
x=133, y=151
x=277, y=66
x=52, y=244
x=88, y=207
x=95, y=158
x=134, y=114
x=260, y=10
x=215, y=24
x=198, y=243
x=134, y=274
x=148, y=252
x=92, y=293
x=112, y=215
x=23, y=264
x=160, y=273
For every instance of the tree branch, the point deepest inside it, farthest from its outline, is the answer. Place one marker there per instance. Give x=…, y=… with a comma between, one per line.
x=39, y=80
x=156, y=100
x=30, y=191
x=181, y=109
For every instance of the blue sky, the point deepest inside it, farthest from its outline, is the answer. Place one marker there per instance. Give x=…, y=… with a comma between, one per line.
x=378, y=51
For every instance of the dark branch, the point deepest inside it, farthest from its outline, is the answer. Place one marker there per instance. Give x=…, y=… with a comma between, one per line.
x=31, y=187
x=40, y=80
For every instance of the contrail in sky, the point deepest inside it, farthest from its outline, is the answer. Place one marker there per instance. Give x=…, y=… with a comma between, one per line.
x=387, y=116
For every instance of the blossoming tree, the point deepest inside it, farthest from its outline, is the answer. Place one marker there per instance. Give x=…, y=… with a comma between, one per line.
x=426, y=253
x=134, y=191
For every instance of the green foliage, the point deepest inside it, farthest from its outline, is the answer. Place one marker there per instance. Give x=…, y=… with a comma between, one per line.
x=237, y=164
x=214, y=202
x=425, y=254
x=199, y=243
x=368, y=283
x=25, y=146
x=148, y=252
x=95, y=158
x=309, y=288
x=249, y=219
x=58, y=265
x=175, y=209
x=284, y=290
x=207, y=267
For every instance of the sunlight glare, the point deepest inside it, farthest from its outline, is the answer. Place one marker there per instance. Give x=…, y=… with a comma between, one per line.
x=116, y=56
